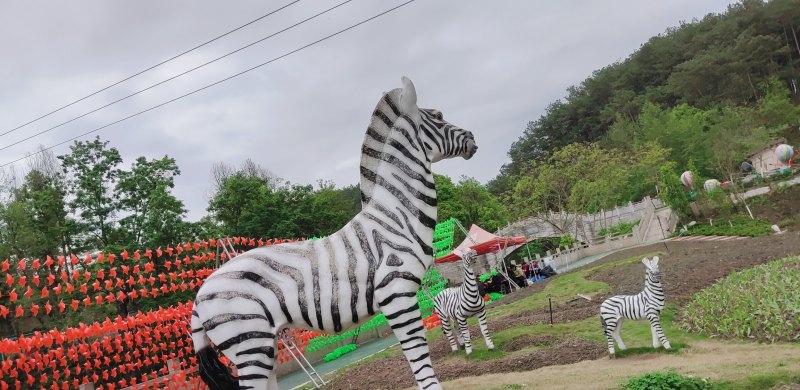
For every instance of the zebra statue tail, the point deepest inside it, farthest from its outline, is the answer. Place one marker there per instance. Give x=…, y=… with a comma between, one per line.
x=211, y=369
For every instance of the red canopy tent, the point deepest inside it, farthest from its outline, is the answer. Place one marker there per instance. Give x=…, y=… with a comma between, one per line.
x=482, y=242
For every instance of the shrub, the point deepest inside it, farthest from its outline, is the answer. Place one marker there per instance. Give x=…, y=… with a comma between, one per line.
x=668, y=380
x=621, y=228
x=759, y=303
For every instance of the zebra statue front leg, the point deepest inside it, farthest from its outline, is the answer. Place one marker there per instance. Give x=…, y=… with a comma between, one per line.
x=647, y=304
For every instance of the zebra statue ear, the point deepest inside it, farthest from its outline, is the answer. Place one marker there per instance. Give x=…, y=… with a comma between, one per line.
x=654, y=262
x=646, y=263
x=408, y=97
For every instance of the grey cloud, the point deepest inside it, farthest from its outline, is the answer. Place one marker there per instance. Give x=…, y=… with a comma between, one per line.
x=491, y=66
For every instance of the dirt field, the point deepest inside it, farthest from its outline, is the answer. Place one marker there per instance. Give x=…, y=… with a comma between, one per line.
x=709, y=359
x=687, y=268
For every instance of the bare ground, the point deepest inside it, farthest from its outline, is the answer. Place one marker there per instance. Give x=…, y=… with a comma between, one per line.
x=709, y=359
x=688, y=267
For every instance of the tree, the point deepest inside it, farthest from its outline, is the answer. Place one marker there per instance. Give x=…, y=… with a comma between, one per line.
x=154, y=214
x=91, y=172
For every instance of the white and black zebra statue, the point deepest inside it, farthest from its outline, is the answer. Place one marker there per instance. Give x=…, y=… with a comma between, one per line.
x=374, y=263
x=459, y=303
x=647, y=304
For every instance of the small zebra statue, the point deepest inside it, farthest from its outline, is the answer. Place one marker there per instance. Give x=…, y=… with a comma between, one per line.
x=460, y=303
x=646, y=304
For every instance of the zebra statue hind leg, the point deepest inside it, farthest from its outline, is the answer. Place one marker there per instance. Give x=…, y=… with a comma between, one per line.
x=648, y=304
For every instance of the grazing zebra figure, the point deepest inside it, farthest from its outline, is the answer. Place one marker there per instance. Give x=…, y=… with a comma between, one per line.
x=374, y=263
x=460, y=303
x=646, y=304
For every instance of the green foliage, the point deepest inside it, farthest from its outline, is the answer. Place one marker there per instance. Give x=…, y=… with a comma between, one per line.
x=679, y=89
x=586, y=178
x=672, y=191
x=470, y=203
x=154, y=214
x=339, y=352
x=92, y=172
x=621, y=228
x=247, y=204
x=766, y=312
x=668, y=380
x=567, y=240
x=736, y=225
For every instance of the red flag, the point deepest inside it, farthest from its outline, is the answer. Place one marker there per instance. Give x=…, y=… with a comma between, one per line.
x=35, y=280
x=50, y=279
x=47, y=308
x=12, y=296
x=45, y=292
x=21, y=265
x=48, y=262
x=4, y=311
x=35, y=310
x=61, y=306
x=4, y=267
x=35, y=264
x=28, y=293
x=20, y=311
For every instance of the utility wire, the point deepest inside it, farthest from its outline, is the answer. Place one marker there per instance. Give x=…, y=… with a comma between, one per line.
x=176, y=76
x=213, y=84
x=150, y=68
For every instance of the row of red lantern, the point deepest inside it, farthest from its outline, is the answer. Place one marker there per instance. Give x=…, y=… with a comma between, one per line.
x=107, y=285
x=99, y=299
x=101, y=258
x=96, y=363
x=100, y=276
x=85, y=371
x=179, y=313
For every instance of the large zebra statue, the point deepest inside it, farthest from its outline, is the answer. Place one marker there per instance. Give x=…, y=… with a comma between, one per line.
x=646, y=304
x=459, y=303
x=374, y=263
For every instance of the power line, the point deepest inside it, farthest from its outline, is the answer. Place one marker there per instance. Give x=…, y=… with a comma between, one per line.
x=150, y=68
x=213, y=84
x=175, y=76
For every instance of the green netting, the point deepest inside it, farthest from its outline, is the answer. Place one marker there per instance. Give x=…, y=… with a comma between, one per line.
x=339, y=352
x=487, y=276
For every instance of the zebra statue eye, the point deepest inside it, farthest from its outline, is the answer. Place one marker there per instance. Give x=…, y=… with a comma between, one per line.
x=439, y=116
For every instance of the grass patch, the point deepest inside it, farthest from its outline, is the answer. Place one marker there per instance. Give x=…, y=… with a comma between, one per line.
x=621, y=228
x=736, y=225
x=766, y=312
x=763, y=381
x=507, y=387
x=562, y=288
x=668, y=380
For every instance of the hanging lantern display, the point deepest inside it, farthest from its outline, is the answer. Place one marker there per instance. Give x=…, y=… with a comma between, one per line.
x=784, y=153
x=711, y=184
x=686, y=178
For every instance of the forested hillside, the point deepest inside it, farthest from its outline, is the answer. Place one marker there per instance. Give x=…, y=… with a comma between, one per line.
x=701, y=95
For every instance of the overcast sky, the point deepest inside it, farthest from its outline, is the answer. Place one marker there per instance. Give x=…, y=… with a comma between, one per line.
x=490, y=66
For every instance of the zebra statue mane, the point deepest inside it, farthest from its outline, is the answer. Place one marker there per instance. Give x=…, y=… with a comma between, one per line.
x=459, y=303
x=374, y=263
x=647, y=304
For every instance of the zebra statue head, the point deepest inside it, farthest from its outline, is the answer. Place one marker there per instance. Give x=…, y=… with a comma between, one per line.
x=653, y=274
x=440, y=138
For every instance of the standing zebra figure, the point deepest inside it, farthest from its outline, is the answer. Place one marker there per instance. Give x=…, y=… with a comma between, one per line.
x=460, y=303
x=646, y=304
x=374, y=263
